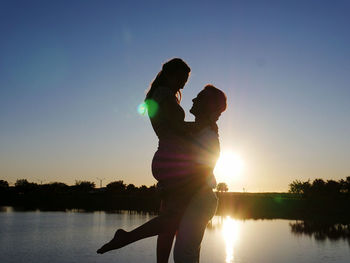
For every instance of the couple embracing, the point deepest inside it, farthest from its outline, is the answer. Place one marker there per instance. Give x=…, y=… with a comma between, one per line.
x=183, y=166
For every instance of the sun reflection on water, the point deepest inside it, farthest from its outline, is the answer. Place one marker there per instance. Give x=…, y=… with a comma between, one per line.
x=230, y=232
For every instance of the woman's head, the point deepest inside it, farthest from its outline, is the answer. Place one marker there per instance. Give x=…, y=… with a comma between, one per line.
x=174, y=75
x=209, y=104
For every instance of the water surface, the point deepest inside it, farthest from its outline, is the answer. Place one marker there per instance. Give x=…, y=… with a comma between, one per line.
x=34, y=236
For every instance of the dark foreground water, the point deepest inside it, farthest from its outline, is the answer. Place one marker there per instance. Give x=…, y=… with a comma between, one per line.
x=74, y=237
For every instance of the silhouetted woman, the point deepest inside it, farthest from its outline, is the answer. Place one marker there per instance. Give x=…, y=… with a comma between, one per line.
x=167, y=119
x=170, y=161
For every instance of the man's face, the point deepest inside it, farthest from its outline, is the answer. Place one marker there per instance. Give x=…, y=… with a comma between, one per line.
x=199, y=104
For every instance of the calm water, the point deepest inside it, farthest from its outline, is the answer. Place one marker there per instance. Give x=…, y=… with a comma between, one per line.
x=74, y=237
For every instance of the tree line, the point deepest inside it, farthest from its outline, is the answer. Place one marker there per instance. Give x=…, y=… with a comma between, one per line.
x=24, y=186
x=82, y=195
x=319, y=187
x=305, y=199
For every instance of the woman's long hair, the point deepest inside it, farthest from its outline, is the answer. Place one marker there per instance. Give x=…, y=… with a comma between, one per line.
x=172, y=66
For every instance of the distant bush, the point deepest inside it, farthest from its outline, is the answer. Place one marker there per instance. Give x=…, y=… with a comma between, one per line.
x=55, y=187
x=345, y=185
x=84, y=186
x=116, y=187
x=299, y=187
x=23, y=186
x=222, y=187
x=4, y=184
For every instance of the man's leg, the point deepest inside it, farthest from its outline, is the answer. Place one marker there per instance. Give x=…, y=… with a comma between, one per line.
x=164, y=245
x=192, y=226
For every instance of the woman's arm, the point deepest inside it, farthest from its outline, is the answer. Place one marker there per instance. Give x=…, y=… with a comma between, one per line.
x=173, y=116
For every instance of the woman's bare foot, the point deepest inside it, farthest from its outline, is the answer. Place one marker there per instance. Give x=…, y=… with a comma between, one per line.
x=119, y=240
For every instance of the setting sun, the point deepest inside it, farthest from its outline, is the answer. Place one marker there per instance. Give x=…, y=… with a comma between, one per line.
x=229, y=167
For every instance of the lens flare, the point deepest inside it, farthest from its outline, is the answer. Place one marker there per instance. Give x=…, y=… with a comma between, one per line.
x=152, y=107
x=149, y=106
x=142, y=108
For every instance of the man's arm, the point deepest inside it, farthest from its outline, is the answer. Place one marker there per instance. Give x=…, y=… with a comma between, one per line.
x=170, y=113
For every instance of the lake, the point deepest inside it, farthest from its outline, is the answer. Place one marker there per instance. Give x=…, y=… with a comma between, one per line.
x=34, y=236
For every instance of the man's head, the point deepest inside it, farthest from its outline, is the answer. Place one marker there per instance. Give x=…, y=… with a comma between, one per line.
x=209, y=104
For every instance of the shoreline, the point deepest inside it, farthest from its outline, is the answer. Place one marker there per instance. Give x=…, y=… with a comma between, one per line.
x=240, y=205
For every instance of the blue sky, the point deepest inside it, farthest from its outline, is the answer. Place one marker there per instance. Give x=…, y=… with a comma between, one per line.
x=72, y=74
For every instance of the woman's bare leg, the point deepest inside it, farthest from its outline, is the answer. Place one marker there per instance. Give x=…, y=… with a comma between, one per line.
x=166, y=223
x=122, y=238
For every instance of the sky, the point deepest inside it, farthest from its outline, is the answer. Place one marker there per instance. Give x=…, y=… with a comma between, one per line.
x=72, y=74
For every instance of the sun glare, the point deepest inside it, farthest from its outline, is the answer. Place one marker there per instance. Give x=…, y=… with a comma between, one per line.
x=230, y=232
x=229, y=167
